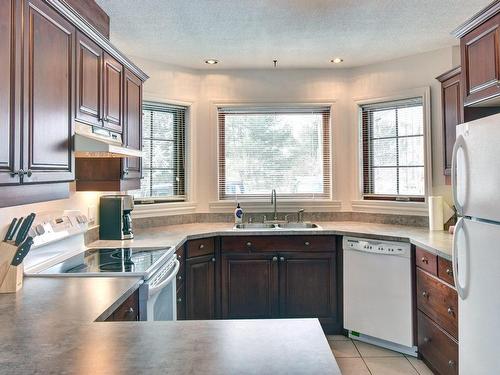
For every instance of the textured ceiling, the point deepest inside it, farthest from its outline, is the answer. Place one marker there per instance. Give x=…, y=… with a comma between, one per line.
x=299, y=33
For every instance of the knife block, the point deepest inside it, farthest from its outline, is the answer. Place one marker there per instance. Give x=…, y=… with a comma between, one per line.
x=11, y=277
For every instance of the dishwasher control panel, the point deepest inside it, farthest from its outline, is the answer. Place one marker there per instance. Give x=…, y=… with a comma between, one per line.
x=377, y=246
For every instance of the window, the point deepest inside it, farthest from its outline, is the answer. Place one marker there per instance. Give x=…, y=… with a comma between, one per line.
x=287, y=149
x=393, y=150
x=163, y=128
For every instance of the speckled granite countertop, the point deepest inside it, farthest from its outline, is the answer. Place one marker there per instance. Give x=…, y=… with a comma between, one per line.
x=48, y=328
x=437, y=242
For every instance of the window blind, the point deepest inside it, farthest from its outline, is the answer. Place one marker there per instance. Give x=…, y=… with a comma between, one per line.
x=392, y=145
x=163, y=161
x=282, y=148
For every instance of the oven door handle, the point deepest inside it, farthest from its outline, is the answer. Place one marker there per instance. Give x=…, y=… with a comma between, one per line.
x=167, y=281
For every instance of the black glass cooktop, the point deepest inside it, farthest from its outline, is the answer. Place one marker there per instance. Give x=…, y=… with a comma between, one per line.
x=103, y=260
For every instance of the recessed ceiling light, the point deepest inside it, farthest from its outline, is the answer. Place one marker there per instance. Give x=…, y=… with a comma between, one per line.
x=337, y=60
x=211, y=61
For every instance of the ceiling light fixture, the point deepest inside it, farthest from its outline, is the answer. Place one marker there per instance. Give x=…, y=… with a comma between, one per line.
x=211, y=61
x=337, y=60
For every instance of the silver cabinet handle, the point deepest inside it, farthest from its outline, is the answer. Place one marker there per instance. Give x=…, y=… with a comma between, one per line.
x=275, y=259
x=28, y=173
x=449, y=272
x=213, y=260
x=125, y=172
x=202, y=246
x=425, y=294
x=282, y=259
x=451, y=363
x=425, y=260
x=249, y=244
x=179, y=277
x=427, y=339
x=130, y=310
x=179, y=299
x=178, y=256
x=306, y=243
x=450, y=311
x=15, y=173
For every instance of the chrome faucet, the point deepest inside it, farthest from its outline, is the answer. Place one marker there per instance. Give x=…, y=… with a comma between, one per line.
x=300, y=214
x=273, y=202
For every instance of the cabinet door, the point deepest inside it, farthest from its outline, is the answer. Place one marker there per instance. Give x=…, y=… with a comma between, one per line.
x=249, y=286
x=88, y=81
x=9, y=137
x=113, y=94
x=200, y=288
x=480, y=53
x=308, y=286
x=133, y=125
x=49, y=42
x=452, y=116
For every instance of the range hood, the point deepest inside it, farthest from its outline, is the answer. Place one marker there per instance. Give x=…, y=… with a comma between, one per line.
x=94, y=142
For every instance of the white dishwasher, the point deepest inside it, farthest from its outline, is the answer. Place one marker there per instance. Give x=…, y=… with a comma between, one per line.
x=378, y=303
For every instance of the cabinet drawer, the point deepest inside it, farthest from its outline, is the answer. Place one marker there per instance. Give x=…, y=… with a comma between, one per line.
x=128, y=310
x=437, y=347
x=426, y=261
x=445, y=271
x=278, y=243
x=197, y=248
x=438, y=301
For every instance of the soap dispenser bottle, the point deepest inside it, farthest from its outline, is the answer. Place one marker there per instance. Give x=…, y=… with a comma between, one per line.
x=238, y=214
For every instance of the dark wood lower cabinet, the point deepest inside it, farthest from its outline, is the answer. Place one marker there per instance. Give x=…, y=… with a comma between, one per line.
x=200, y=288
x=249, y=286
x=128, y=311
x=307, y=287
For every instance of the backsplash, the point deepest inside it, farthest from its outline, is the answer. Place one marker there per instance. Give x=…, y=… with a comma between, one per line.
x=409, y=220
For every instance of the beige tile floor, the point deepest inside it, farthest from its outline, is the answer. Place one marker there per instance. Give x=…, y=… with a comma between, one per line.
x=358, y=358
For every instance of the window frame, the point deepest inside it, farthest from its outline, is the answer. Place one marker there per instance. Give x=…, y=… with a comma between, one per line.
x=183, y=148
x=281, y=106
x=424, y=94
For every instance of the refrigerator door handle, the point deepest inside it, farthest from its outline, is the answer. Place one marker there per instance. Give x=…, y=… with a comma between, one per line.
x=459, y=144
x=461, y=290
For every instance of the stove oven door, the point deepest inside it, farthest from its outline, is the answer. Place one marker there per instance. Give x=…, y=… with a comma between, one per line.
x=161, y=303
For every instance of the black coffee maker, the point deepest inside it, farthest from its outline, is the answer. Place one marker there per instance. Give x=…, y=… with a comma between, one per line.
x=115, y=220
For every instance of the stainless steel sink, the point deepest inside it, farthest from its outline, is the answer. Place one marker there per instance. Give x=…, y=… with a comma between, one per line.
x=298, y=226
x=255, y=226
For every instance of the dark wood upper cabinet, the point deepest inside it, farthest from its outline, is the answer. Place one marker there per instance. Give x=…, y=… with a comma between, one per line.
x=308, y=286
x=200, y=288
x=9, y=146
x=249, y=286
x=132, y=137
x=113, y=73
x=48, y=94
x=452, y=111
x=89, y=58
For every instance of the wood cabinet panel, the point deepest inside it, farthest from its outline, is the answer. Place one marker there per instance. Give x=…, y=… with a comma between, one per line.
x=128, y=311
x=438, y=301
x=132, y=137
x=48, y=93
x=181, y=301
x=200, y=288
x=278, y=243
x=249, y=286
x=9, y=146
x=113, y=73
x=426, y=261
x=308, y=286
x=88, y=81
x=445, y=271
x=203, y=246
x=438, y=349
x=480, y=54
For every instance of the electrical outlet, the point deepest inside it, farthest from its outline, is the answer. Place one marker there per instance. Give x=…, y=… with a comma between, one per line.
x=92, y=213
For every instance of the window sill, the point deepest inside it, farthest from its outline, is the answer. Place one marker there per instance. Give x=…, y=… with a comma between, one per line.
x=319, y=205
x=390, y=207
x=163, y=209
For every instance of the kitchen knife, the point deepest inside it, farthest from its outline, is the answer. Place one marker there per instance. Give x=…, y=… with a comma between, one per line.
x=10, y=231
x=16, y=228
x=25, y=227
x=22, y=251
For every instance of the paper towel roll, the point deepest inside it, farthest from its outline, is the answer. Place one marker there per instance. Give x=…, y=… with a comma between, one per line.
x=436, y=213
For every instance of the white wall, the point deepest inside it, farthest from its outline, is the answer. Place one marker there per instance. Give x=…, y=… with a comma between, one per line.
x=344, y=86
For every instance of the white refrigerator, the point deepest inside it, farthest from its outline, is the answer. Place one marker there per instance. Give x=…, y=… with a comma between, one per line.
x=476, y=244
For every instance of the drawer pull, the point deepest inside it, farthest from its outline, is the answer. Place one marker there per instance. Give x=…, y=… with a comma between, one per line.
x=425, y=294
x=427, y=339
x=451, y=363
x=306, y=243
x=450, y=311
x=179, y=299
x=425, y=260
x=178, y=256
x=282, y=259
x=213, y=260
x=449, y=272
x=249, y=244
x=275, y=259
x=202, y=246
x=179, y=277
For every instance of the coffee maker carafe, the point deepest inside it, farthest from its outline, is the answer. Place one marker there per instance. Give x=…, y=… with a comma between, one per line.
x=115, y=220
